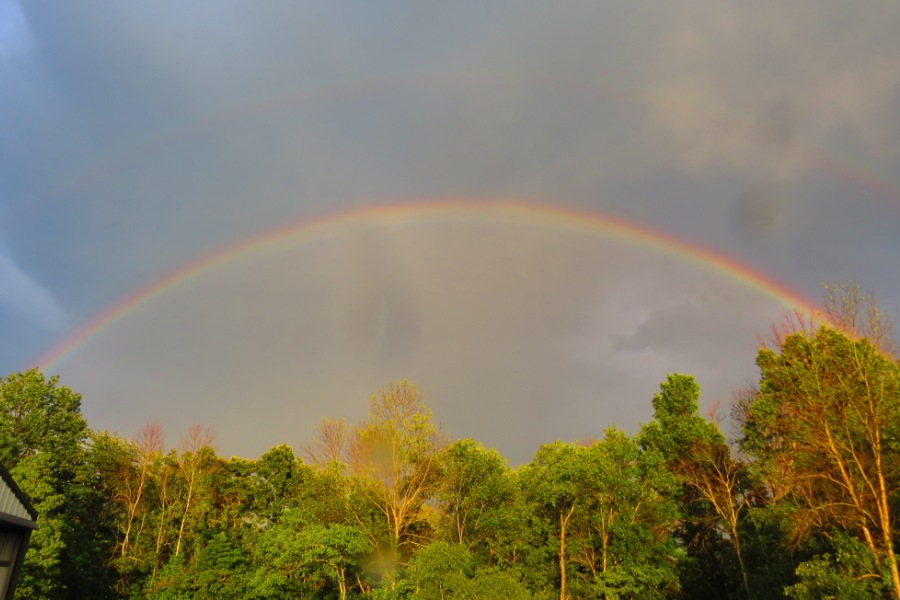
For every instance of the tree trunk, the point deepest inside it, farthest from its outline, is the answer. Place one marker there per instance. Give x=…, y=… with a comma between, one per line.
x=892, y=560
x=184, y=516
x=342, y=584
x=563, y=522
x=735, y=541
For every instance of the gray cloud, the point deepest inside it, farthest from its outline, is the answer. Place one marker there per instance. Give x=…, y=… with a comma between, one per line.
x=142, y=137
x=489, y=318
x=752, y=87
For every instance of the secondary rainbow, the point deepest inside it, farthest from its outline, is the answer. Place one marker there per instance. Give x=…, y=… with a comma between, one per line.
x=428, y=210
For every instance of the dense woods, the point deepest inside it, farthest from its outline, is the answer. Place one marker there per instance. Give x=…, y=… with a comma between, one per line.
x=801, y=504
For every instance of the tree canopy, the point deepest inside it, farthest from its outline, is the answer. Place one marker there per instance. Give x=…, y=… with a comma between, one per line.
x=801, y=505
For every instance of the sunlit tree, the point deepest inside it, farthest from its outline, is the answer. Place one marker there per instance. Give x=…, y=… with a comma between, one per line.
x=824, y=426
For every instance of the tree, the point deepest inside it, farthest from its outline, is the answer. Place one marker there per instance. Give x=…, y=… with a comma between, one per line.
x=133, y=477
x=714, y=483
x=391, y=459
x=677, y=425
x=442, y=571
x=612, y=511
x=275, y=483
x=43, y=439
x=631, y=514
x=127, y=478
x=218, y=571
x=298, y=555
x=196, y=463
x=825, y=428
x=473, y=494
x=719, y=484
x=836, y=574
x=167, y=506
x=554, y=480
x=854, y=312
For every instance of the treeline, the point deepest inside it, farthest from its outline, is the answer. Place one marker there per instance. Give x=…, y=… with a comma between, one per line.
x=801, y=505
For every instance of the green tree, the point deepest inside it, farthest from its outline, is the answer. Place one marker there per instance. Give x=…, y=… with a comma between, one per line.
x=836, y=573
x=219, y=570
x=442, y=571
x=276, y=482
x=612, y=510
x=297, y=556
x=824, y=428
x=43, y=439
x=677, y=425
x=631, y=515
x=714, y=497
x=473, y=496
x=554, y=482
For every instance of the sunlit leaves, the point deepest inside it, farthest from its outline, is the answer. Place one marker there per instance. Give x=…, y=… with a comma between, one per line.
x=822, y=427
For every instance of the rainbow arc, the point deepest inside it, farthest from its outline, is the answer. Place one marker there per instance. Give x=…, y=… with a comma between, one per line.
x=501, y=211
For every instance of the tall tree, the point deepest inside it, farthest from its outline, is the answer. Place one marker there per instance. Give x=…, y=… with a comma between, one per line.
x=714, y=498
x=554, y=482
x=276, y=480
x=612, y=511
x=127, y=479
x=392, y=463
x=196, y=463
x=631, y=514
x=473, y=496
x=134, y=478
x=43, y=444
x=824, y=425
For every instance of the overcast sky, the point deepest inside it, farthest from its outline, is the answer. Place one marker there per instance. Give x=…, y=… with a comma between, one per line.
x=141, y=137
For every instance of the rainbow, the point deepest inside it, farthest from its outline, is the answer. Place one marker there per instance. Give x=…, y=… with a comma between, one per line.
x=502, y=211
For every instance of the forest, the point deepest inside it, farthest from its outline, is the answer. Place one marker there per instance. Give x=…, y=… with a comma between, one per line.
x=792, y=494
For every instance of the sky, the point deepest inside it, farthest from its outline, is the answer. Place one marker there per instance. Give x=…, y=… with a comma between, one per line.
x=254, y=216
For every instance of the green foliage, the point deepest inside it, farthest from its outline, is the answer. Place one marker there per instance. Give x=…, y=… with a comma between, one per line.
x=42, y=443
x=555, y=477
x=823, y=430
x=677, y=425
x=629, y=551
x=39, y=416
x=474, y=486
x=219, y=571
x=442, y=571
x=492, y=584
x=392, y=513
x=296, y=555
x=275, y=482
x=611, y=508
x=715, y=493
x=847, y=572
